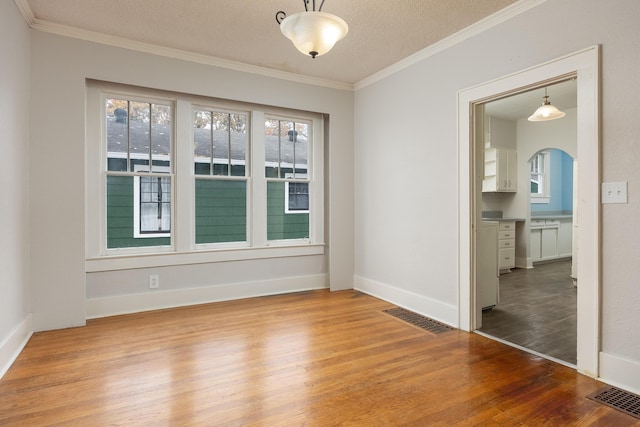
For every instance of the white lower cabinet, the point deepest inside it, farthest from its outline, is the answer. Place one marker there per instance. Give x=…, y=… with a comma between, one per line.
x=550, y=239
x=506, y=245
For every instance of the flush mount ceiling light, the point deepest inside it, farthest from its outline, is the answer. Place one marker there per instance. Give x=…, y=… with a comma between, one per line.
x=313, y=33
x=546, y=111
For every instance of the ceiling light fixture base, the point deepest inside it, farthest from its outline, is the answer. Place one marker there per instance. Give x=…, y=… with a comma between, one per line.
x=546, y=111
x=313, y=33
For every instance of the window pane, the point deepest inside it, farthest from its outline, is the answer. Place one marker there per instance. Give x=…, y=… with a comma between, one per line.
x=282, y=225
x=120, y=215
x=238, y=144
x=221, y=211
x=203, y=142
x=155, y=204
x=535, y=188
x=287, y=137
x=297, y=197
x=272, y=148
x=117, y=134
x=139, y=135
x=220, y=143
x=301, y=148
x=161, y=137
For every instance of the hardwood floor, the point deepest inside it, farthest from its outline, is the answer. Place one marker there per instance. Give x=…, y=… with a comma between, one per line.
x=313, y=358
x=537, y=310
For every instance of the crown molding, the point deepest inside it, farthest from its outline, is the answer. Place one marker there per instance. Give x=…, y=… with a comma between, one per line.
x=457, y=38
x=92, y=36
x=26, y=12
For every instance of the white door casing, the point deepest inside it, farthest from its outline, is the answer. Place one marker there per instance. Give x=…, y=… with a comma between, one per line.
x=584, y=65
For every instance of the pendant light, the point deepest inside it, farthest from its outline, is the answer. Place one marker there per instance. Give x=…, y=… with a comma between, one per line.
x=313, y=32
x=546, y=111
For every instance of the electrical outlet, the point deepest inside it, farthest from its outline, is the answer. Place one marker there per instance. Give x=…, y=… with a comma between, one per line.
x=614, y=192
x=154, y=281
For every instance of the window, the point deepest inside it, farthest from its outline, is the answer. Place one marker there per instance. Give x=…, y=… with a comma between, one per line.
x=296, y=197
x=138, y=172
x=286, y=169
x=152, y=206
x=220, y=166
x=539, y=177
x=189, y=179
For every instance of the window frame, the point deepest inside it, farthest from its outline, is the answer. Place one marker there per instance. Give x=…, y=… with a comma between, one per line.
x=222, y=108
x=183, y=249
x=143, y=97
x=291, y=177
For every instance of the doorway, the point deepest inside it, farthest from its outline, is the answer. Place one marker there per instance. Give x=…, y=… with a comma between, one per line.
x=536, y=308
x=584, y=65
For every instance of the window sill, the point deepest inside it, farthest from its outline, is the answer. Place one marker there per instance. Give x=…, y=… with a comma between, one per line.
x=127, y=262
x=540, y=200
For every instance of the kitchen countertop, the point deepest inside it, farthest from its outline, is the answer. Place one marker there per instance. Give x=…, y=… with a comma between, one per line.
x=504, y=219
x=559, y=216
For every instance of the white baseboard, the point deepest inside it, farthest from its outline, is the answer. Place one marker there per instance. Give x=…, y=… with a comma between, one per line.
x=124, y=304
x=620, y=372
x=13, y=344
x=436, y=310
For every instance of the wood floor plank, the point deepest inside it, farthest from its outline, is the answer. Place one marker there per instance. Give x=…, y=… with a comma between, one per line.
x=312, y=358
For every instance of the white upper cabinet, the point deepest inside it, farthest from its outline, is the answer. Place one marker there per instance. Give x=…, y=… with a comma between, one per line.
x=500, y=170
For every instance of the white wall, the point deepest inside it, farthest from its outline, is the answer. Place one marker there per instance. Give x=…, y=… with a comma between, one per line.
x=59, y=69
x=406, y=164
x=14, y=183
x=531, y=138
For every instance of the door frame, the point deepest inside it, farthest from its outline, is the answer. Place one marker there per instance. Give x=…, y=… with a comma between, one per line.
x=584, y=64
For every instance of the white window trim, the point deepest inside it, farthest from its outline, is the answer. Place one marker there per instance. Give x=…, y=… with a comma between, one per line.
x=545, y=196
x=314, y=177
x=183, y=249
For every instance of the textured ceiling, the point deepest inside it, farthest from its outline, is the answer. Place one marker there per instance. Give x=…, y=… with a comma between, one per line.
x=381, y=32
x=562, y=95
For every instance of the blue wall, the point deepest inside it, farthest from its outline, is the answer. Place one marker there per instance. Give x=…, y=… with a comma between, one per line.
x=567, y=182
x=561, y=188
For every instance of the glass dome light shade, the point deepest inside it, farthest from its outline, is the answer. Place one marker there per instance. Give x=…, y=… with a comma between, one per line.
x=546, y=112
x=314, y=33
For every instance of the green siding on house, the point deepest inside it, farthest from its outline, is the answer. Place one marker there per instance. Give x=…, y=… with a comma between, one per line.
x=221, y=211
x=281, y=225
x=221, y=214
x=120, y=216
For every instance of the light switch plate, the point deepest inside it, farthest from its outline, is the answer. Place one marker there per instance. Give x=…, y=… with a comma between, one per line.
x=614, y=192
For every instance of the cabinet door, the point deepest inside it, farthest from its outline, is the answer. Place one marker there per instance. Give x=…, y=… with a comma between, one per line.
x=512, y=170
x=507, y=170
x=536, y=244
x=503, y=170
x=565, y=238
x=549, y=243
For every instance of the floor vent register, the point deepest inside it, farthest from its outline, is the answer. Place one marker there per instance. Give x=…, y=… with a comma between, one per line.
x=621, y=400
x=418, y=320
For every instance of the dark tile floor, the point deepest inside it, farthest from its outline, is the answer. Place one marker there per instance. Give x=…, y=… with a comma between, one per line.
x=537, y=310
